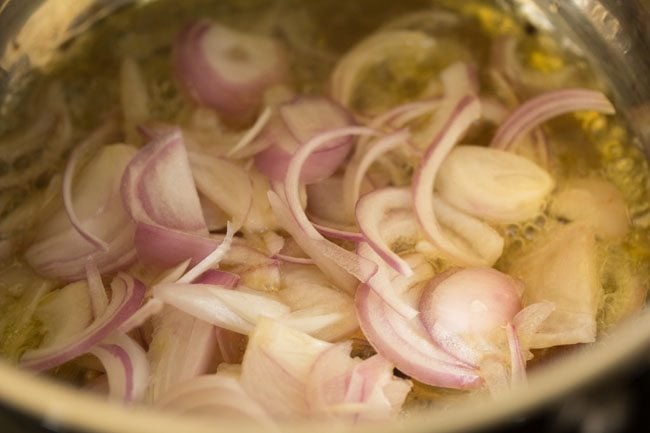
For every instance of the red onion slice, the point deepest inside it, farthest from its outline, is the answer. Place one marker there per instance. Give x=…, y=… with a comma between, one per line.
x=296, y=123
x=356, y=169
x=464, y=307
x=226, y=69
x=458, y=116
x=545, y=107
x=211, y=259
x=382, y=284
x=407, y=345
x=167, y=248
x=329, y=257
x=126, y=365
x=370, y=211
x=158, y=188
x=61, y=249
x=127, y=295
x=218, y=278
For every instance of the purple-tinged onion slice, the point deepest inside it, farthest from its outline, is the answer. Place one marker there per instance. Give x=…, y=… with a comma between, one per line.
x=406, y=344
x=127, y=295
x=126, y=366
x=226, y=69
x=296, y=123
x=211, y=259
x=544, y=107
x=458, y=115
x=158, y=188
x=356, y=169
x=370, y=210
x=166, y=248
x=462, y=308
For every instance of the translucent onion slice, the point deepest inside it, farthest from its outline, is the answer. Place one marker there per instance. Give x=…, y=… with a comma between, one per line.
x=341, y=387
x=369, y=53
x=296, y=123
x=234, y=310
x=219, y=395
x=182, y=347
x=463, y=308
x=371, y=209
x=93, y=224
x=226, y=69
x=166, y=248
x=407, y=345
x=126, y=366
x=312, y=239
x=225, y=184
x=276, y=368
x=158, y=188
x=545, y=107
x=493, y=185
x=458, y=116
x=126, y=296
x=357, y=168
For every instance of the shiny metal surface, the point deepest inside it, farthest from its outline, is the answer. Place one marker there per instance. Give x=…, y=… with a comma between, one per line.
x=613, y=34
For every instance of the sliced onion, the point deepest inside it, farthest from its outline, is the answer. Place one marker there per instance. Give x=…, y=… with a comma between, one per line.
x=369, y=53
x=339, y=386
x=316, y=308
x=463, y=308
x=234, y=310
x=166, y=248
x=517, y=361
x=211, y=259
x=370, y=211
x=126, y=366
x=62, y=249
x=493, y=185
x=182, y=347
x=218, y=278
x=296, y=123
x=356, y=169
x=407, y=345
x=158, y=188
x=276, y=366
x=225, y=184
x=483, y=242
x=96, y=289
x=342, y=258
x=127, y=295
x=251, y=134
x=563, y=268
x=150, y=308
x=323, y=252
x=545, y=107
x=226, y=69
x=217, y=395
x=458, y=115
